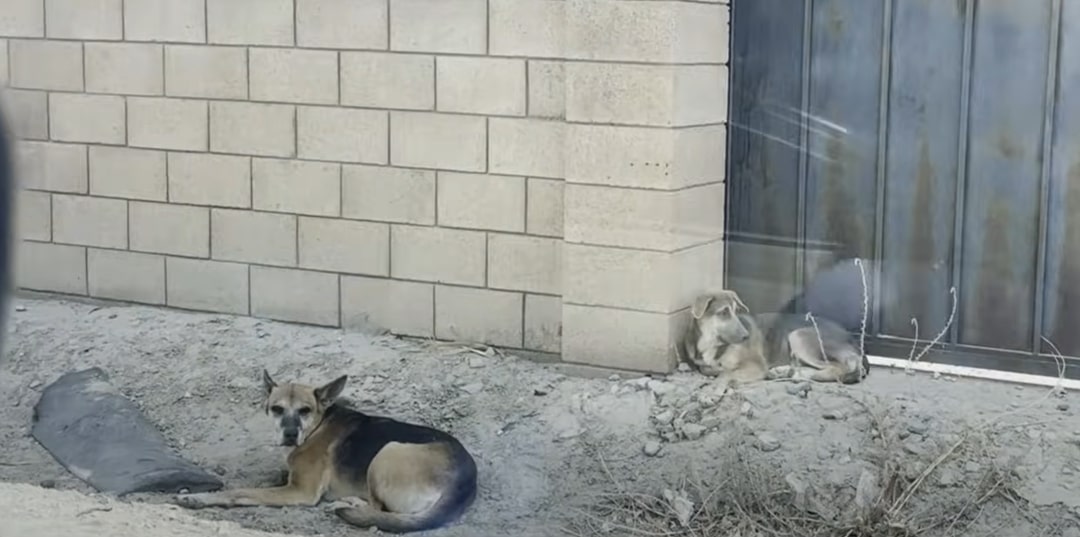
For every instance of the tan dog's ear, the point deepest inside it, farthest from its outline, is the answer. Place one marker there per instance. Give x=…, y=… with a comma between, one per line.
x=701, y=304
x=268, y=382
x=329, y=393
x=737, y=301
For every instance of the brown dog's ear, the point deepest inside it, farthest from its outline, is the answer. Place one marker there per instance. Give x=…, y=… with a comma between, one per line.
x=268, y=382
x=701, y=304
x=329, y=393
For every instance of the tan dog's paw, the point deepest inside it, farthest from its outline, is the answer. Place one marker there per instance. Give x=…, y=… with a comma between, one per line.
x=351, y=502
x=781, y=372
x=194, y=501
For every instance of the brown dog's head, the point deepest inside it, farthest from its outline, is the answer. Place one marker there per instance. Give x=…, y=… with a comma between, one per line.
x=298, y=408
x=718, y=313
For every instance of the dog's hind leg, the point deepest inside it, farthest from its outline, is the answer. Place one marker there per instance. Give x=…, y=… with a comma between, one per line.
x=841, y=364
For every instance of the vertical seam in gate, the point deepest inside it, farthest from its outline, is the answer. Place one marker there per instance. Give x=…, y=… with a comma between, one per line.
x=804, y=142
x=726, y=203
x=1049, y=111
x=878, y=271
x=962, y=158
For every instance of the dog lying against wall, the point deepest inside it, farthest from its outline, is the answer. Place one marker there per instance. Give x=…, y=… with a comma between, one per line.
x=381, y=473
x=724, y=339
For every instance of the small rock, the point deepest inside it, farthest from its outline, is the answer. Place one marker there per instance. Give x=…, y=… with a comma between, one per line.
x=220, y=470
x=937, y=374
x=711, y=421
x=1064, y=407
x=670, y=436
x=972, y=467
x=684, y=367
x=915, y=448
x=947, y=478
x=614, y=377
x=541, y=391
x=651, y=448
x=747, y=409
x=918, y=428
x=473, y=388
x=665, y=417
x=660, y=387
x=706, y=400
x=477, y=362
x=47, y=484
x=767, y=442
x=801, y=389
x=693, y=431
x=20, y=308
x=834, y=414
x=35, y=384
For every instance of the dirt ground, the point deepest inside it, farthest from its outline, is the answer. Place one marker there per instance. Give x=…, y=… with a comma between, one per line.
x=556, y=453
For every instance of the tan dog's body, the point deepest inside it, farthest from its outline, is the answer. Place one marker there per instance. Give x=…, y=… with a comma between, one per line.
x=721, y=341
x=388, y=474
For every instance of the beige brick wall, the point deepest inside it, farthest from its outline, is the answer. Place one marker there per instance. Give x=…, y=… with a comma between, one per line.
x=537, y=174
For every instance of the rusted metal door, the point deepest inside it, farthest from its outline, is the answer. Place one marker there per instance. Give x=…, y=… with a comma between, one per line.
x=939, y=139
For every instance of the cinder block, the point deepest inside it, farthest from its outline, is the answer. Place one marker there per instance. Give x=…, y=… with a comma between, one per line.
x=208, y=72
x=345, y=246
x=170, y=229
x=124, y=68
x=218, y=180
x=385, y=194
x=386, y=80
x=26, y=113
x=87, y=221
x=4, y=62
x=481, y=85
x=253, y=128
x=547, y=89
x=87, y=118
x=182, y=21
x=643, y=157
x=543, y=323
x=253, y=237
x=403, y=308
x=651, y=95
x=35, y=215
x=523, y=263
x=447, y=26
x=22, y=18
x=41, y=266
x=655, y=32
x=528, y=27
x=532, y=147
x=250, y=22
x=479, y=315
x=197, y=284
x=343, y=134
x=438, y=255
x=84, y=19
x=443, y=141
x=641, y=280
x=478, y=201
x=623, y=339
x=643, y=219
x=294, y=75
x=544, y=210
x=179, y=124
x=126, y=276
x=52, y=167
x=342, y=24
x=295, y=186
x=121, y=172
x=48, y=65
x=295, y=295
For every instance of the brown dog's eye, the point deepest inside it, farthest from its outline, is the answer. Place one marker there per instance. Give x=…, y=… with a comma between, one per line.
x=276, y=410
x=304, y=411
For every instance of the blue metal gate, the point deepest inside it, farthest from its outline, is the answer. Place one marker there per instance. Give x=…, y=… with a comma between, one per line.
x=939, y=138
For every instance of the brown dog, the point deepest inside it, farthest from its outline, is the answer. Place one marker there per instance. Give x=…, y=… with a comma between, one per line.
x=392, y=475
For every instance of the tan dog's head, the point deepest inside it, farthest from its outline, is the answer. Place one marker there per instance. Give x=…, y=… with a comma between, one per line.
x=298, y=408
x=718, y=313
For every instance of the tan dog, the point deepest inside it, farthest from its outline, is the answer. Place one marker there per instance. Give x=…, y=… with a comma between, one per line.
x=392, y=475
x=723, y=338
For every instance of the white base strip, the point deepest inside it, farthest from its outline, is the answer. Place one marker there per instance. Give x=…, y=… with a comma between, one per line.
x=974, y=372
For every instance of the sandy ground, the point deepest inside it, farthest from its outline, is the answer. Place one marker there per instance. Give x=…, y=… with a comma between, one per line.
x=548, y=445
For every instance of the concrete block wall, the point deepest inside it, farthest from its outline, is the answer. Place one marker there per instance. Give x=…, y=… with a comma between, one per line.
x=537, y=174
